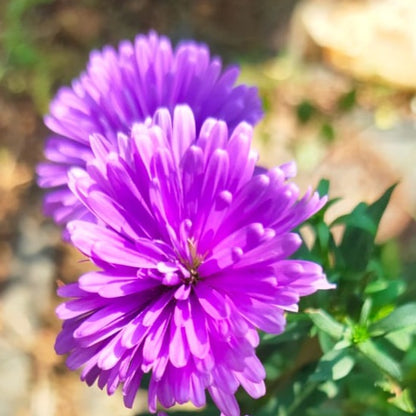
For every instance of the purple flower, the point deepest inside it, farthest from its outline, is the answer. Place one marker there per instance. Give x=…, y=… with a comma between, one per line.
x=193, y=248
x=122, y=87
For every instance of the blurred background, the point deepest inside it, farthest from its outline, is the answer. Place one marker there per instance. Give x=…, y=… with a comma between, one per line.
x=338, y=84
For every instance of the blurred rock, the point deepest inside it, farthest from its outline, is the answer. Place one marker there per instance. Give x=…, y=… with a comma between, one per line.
x=397, y=148
x=370, y=39
x=358, y=172
x=14, y=378
x=361, y=161
x=25, y=300
x=13, y=178
x=43, y=398
x=75, y=398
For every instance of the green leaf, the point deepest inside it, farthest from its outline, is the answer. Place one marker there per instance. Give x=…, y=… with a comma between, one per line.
x=384, y=295
x=334, y=365
x=381, y=359
x=376, y=210
x=390, y=258
x=402, y=339
x=402, y=317
x=323, y=187
x=331, y=390
x=326, y=323
x=305, y=110
x=365, y=311
x=323, y=234
x=358, y=218
x=401, y=398
x=376, y=286
x=328, y=132
x=358, y=240
x=347, y=101
x=404, y=401
x=326, y=342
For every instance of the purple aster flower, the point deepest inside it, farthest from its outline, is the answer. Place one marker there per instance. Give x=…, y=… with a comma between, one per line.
x=193, y=248
x=124, y=86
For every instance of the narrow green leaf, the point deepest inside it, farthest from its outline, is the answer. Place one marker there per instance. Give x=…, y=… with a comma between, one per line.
x=323, y=234
x=401, y=398
x=376, y=286
x=347, y=101
x=381, y=359
x=401, y=339
x=323, y=187
x=328, y=132
x=404, y=401
x=326, y=323
x=334, y=365
x=376, y=210
x=384, y=295
x=402, y=317
x=358, y=218
x=358, y=240
x=344, y=343
x=365, y=311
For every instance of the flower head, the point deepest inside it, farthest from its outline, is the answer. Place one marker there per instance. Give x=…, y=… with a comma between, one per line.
x=193, y=248
x=124, y=86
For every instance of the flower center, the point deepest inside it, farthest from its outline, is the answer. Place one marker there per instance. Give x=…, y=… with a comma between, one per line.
x=192, y=278
x=191, y=262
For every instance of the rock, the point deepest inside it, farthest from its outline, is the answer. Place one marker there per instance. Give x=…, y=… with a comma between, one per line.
x=361, y=161
x=358, y=172
x=14, y=380
x=367, y=39
x=25, y=299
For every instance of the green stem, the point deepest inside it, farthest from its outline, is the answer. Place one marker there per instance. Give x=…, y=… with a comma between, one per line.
x=306, y=392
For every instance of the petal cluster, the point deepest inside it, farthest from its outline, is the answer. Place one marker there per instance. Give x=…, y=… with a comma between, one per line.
x=124, y=86
x=193, y=247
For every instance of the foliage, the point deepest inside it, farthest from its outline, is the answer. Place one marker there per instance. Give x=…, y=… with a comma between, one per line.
x=350, y=351
x=23, y=66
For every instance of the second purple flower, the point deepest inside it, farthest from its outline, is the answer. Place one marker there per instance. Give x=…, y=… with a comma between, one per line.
x=124, y=86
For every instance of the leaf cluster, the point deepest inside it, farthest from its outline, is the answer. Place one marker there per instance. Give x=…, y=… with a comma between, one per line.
x=352, y=351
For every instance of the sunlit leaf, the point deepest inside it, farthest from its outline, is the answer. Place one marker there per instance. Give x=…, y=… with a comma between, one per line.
x=404, y=401
x=401, y=339
x=402, y=317
x=334, y=365
x=326, y=323
x=329, y=388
